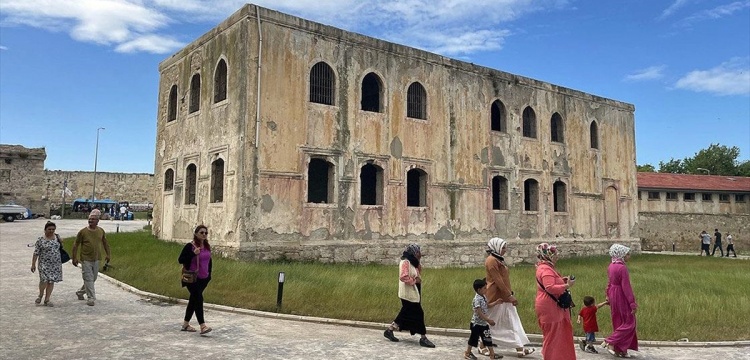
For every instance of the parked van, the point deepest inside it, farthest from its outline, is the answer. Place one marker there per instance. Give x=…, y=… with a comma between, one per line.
x=13, y=212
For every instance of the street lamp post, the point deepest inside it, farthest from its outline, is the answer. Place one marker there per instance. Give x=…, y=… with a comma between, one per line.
x=702, y=169
x=96, y=158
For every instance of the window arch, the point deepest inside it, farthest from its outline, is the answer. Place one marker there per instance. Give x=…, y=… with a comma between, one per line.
x=559, y=197
x=498, y=120
x=416, y=101
x=529, y=123
x=531, y=195
x=322, y=84
x=217, y=181
x=169, y=180
x=371, y=185
x=557, y=128
x=499, y=193
x=320, y=177
x=195, y=94
x=220, y=82
x=371, y=93
x=172, y=109
x=191, y=179
x=416, y=188
x=594, y=134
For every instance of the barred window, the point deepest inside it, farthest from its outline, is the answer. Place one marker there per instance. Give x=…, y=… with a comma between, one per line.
x=169, y=180
x=172, y=109
x=217, y=181
x=220, y=82
x=195, y=93
x=322, y=84
x=191, y=179
x=416, y=102
x=654, y=195
x=672, y=196
x=529, y=123
x=689, y=197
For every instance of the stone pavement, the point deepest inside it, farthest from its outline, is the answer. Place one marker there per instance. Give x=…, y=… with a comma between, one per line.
x=126, y=325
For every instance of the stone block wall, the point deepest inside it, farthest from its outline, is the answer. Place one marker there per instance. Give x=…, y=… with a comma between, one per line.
x=135, y=188
x=660, y=230
x=22, y=178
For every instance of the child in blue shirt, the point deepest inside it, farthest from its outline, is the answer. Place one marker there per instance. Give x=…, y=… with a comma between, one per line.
x=480, y=322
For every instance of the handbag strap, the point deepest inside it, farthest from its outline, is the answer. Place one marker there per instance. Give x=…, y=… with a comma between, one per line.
x=545, y=290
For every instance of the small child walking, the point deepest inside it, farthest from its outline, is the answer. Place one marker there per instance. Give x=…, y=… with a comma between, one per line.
x=480, y=322
x=590, y=326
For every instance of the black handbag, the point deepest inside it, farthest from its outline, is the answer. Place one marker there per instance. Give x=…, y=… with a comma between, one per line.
x=565, y=300
x=64, y=257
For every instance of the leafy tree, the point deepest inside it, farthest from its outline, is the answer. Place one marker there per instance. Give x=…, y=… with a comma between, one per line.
x=743, y=169
x=673, y=166
x=646, y=168
x=716, y=159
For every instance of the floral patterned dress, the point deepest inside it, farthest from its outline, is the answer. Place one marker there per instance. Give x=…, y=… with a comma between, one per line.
x=50, y=267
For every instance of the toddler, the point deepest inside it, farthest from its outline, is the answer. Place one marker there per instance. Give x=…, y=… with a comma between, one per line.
x=480, y=322
x=590, y=326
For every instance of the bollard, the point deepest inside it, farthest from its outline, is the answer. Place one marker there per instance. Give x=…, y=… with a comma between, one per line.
x=673, y=247
x=280, y=292
x=118, y=228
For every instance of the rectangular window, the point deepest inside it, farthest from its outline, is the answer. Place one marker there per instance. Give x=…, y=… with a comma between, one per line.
x=639, y=195
x=689, y=197
x=707, y=197
x=672, y=196
x=653, y=195
x=724, y=197
x=739, y=197
x=5, y=175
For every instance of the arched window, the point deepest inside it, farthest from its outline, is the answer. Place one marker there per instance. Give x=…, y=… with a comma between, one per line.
x=195, y=93
x=557, y=128
x=416, y=188
x=217, y=181
x=529, y=123
x=220, y=82
x=498, y=119
x=371, y=185
x=191, y=179
x=594, y=133
x=320, y=177
x=169, y=180
x=322, y=84
x=172, y=109
x=559, y=196
x=499, y=193
x=416, y=102
x=371, y=93
x=531, y=195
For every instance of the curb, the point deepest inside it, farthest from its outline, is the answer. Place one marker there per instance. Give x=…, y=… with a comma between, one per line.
x=535, y=339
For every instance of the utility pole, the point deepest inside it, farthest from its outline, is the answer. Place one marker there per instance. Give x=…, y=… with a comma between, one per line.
x=96, y=158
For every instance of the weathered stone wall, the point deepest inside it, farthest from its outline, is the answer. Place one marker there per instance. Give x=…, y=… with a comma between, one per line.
x=660, y=230
x=22, y=178
x=695, y=206
x=135, y=188
x=266, y=178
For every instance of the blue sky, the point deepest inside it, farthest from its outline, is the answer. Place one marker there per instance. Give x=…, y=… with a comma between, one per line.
x=68, y=67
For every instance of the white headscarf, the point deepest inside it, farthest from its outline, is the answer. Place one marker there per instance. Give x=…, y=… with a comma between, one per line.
x=496, y=245
x=618, y=252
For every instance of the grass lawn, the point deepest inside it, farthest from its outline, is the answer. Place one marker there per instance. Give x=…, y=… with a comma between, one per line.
x=700, y=298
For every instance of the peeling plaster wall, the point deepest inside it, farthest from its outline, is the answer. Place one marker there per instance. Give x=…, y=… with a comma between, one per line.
x=454, y=147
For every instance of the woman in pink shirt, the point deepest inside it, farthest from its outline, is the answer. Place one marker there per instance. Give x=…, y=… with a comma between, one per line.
x=554, y=320
x=196, y=256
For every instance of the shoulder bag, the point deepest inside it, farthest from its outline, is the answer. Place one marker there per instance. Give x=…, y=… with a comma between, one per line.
x=565, y=300
x=64, y=257
x=189, y=276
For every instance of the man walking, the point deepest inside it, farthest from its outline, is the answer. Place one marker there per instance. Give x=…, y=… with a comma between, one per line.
x=705, y=242
x=123, y=212
x=730, y=245
x=717, y=243
x=90, y=239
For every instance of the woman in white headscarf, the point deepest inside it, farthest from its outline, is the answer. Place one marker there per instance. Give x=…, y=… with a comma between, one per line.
x=507, y=330
x=621, y=303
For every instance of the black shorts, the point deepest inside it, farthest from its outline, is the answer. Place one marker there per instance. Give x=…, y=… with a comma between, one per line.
x=477, y=332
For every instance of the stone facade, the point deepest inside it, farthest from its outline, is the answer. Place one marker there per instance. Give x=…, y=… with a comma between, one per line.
x=24, y=181
x=293, y=154
x=659, y=230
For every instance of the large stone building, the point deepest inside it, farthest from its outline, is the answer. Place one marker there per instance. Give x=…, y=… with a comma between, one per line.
x=675, y=208
x=289, y=138
x=25, y=181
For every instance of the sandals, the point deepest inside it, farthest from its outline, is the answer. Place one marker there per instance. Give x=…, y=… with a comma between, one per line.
x=524, y=352
x=205, y=329
x=188, y=328
x=484, y=351
x=48, y=303
x=38, y=300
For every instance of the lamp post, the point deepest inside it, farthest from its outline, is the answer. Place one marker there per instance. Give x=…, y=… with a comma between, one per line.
x=96, y=158
x=706, y=170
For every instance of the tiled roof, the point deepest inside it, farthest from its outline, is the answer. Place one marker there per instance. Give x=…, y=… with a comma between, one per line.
x=693, y=182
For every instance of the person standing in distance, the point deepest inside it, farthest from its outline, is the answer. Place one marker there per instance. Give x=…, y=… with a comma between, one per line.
x=717, y=243
x=90, y=241
x=730, y=245
x=705, y=243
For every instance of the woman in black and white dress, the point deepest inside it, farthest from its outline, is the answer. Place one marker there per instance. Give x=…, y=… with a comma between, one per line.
x=47, y=255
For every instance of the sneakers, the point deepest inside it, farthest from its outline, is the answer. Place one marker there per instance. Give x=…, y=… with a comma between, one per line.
x=590, y=349
x=426, y=343
x=388, y=333
x=90, y=302
x=80, y=294
x=470, y=356
x=582, y=345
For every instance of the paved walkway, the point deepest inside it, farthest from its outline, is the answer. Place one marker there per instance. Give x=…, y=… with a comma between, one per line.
x=124, y=325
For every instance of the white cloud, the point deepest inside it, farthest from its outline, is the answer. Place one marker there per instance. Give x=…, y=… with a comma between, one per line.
x=729, y=78
x=672, y=8
x=3, y=47
x=649, y=73
x=715, y=13
x=445, y=26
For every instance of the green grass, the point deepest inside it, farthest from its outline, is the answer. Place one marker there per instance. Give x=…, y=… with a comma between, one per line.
x=703, y=299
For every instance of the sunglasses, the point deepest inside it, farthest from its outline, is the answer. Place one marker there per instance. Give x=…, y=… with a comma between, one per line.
x=203, y=232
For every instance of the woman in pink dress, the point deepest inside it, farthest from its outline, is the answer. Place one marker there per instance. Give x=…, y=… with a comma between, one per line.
x=557, y=329
x=622, y=304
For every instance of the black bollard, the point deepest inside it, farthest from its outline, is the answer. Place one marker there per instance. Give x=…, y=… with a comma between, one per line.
x=673, y=247
x=280, y=292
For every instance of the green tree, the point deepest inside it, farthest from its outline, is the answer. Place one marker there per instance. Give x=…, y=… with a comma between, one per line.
x=673, y=166
x=646, y=168
x=743, y=169
x=716, y=159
